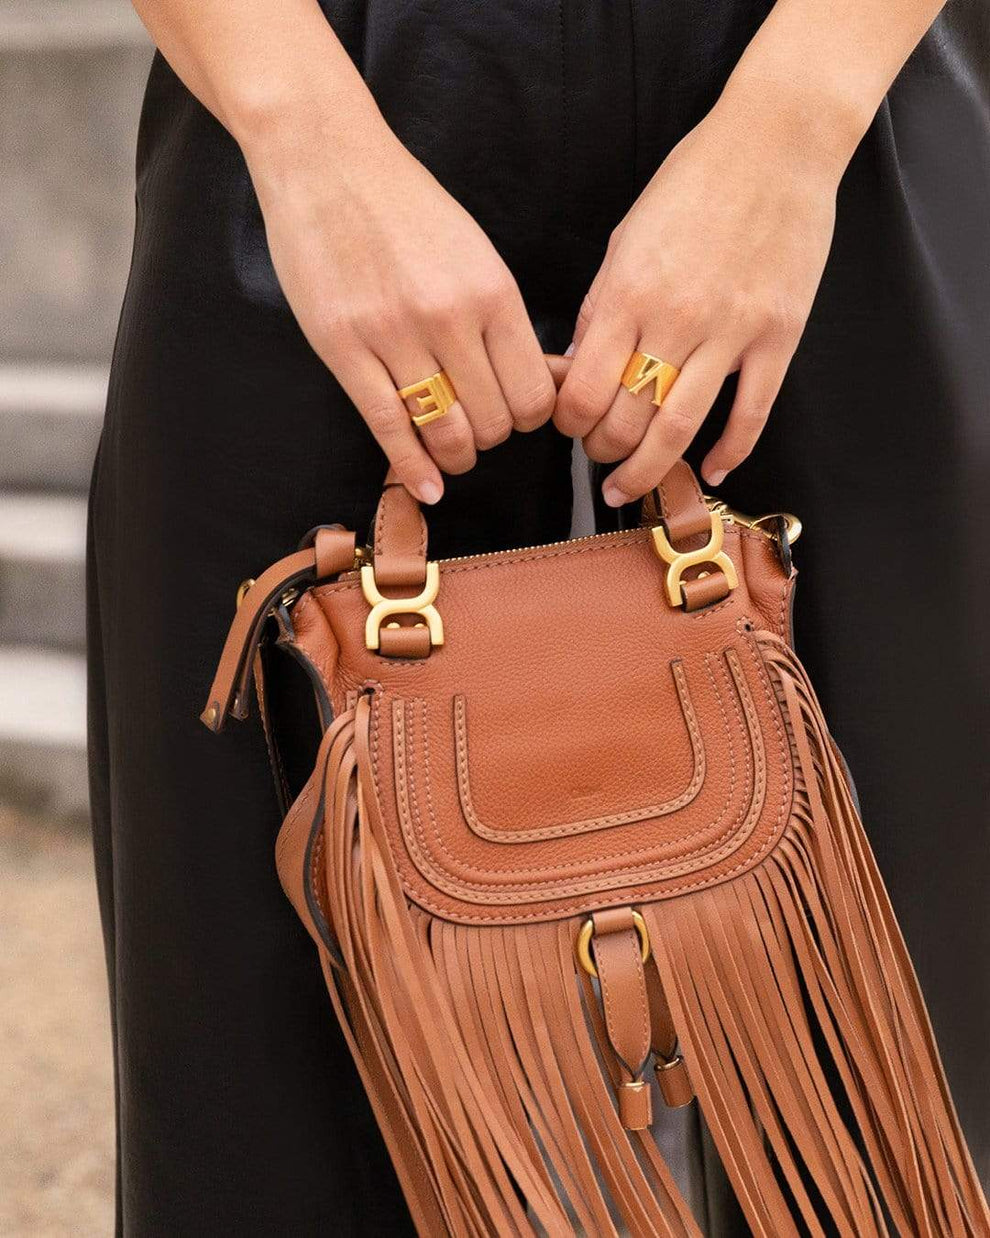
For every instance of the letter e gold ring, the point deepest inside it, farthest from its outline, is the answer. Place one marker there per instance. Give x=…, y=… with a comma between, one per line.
x=434, y=395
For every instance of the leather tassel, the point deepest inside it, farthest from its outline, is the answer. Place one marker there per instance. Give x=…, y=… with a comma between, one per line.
x=797, y=1008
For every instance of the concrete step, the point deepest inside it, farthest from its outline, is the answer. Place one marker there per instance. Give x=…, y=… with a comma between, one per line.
x=71, y=79
x=50, y=418
x=43, y=732
x=42, y=570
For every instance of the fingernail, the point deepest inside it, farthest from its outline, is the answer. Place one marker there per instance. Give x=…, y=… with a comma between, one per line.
x=613, y=496
x=715, y=477
x=569, y=350
x=430, y=492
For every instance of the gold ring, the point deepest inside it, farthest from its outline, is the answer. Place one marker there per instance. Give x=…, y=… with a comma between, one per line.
x=583, y=948
x=434, y=395
x=643, y=368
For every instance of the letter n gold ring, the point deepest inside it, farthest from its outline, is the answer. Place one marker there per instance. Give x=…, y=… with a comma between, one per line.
x=643, y=368
x=434, y=395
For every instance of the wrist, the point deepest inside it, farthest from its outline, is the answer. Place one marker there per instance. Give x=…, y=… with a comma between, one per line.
x=304, y=108
x=814, y=124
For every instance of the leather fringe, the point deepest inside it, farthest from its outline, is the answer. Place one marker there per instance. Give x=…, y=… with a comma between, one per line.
x=800, y=1016
x=792, y=995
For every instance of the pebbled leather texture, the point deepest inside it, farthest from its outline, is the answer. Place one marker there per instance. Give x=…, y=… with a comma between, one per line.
x=631, y=751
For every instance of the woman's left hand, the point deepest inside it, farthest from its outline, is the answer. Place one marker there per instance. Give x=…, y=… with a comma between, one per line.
x=714, y=269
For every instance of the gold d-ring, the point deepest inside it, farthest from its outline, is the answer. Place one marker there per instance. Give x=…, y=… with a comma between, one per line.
x=583, y=947
x=643, y=368
x=434, y=395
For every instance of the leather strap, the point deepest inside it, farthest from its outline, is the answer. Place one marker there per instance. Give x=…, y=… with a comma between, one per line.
x=399, y=540
x=229, y=693
x=400, y=534
x=619, y=961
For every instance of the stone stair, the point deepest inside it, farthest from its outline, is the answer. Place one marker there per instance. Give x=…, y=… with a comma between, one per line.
x=49, y=426
x=71, y=79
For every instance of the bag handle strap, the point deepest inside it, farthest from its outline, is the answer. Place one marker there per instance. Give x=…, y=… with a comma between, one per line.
x=400, y=534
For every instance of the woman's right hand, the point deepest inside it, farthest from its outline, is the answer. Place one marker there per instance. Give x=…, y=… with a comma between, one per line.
x=391, y=280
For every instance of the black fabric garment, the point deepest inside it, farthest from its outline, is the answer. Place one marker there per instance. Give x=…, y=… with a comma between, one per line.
x=226, y=439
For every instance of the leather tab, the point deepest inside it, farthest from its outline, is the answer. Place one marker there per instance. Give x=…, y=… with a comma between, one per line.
x=399, y=539
x=635, y=1105
x=675, y=1082
x=704, y=590
x=404, y=642
x=335, y=549
x=681, y=505
x=619, y=960
x=229, y=693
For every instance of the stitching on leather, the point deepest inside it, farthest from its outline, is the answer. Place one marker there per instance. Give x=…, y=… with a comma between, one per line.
x=415, y=837
x=657, y=864
x=617, y=541
x=631, y=941
x=380, y=517
x=504, y=834
x=641, y=892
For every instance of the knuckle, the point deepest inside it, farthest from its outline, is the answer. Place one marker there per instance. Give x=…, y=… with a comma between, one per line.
x=637, y=481
x=451, y=438
x=752, y=414
x=687, y=308
x=619, y=433
x=442, y=310
x=680, y=424
x=381, y=417
x=581, y=402
x=784, y=321
x=490, y=433
x=533, y=405
x=377, y=321
x=492, y=292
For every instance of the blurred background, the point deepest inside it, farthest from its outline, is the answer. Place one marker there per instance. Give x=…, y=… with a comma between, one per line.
x=71, y=77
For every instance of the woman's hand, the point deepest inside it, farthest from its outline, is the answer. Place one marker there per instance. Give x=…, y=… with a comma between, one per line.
x=714, y=270
x=391, y=281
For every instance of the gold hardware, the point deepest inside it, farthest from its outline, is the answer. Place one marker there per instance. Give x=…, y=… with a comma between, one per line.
x=242, y=590
x=383, y=608
x=759, y=523
x=583, y=947
x=679, y=561
x=434, y=395
x=642, y=369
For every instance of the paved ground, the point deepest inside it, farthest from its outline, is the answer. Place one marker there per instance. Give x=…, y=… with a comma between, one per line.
x=56, y=1137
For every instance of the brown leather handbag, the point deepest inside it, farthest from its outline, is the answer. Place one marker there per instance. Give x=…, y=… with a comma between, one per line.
x=576, y=814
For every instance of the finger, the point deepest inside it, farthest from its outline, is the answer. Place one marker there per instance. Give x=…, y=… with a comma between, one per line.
x=760, y=379
x=586, y=313
x=593, y=380
x=518, y=361
x=470, y=371
x=449, y=439
x=673, y=426
x=558, y=366
x=621, y=430
x=370, y=387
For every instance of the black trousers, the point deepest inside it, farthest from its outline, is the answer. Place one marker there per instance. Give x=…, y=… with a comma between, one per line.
x=226, y=439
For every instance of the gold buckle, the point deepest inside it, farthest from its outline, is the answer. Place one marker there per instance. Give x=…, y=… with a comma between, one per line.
x=680, y=560
x=383, y=608
x=583, y=947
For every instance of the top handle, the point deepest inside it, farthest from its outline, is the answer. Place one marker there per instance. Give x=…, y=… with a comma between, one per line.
x=400, y=533
x=401, y=539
